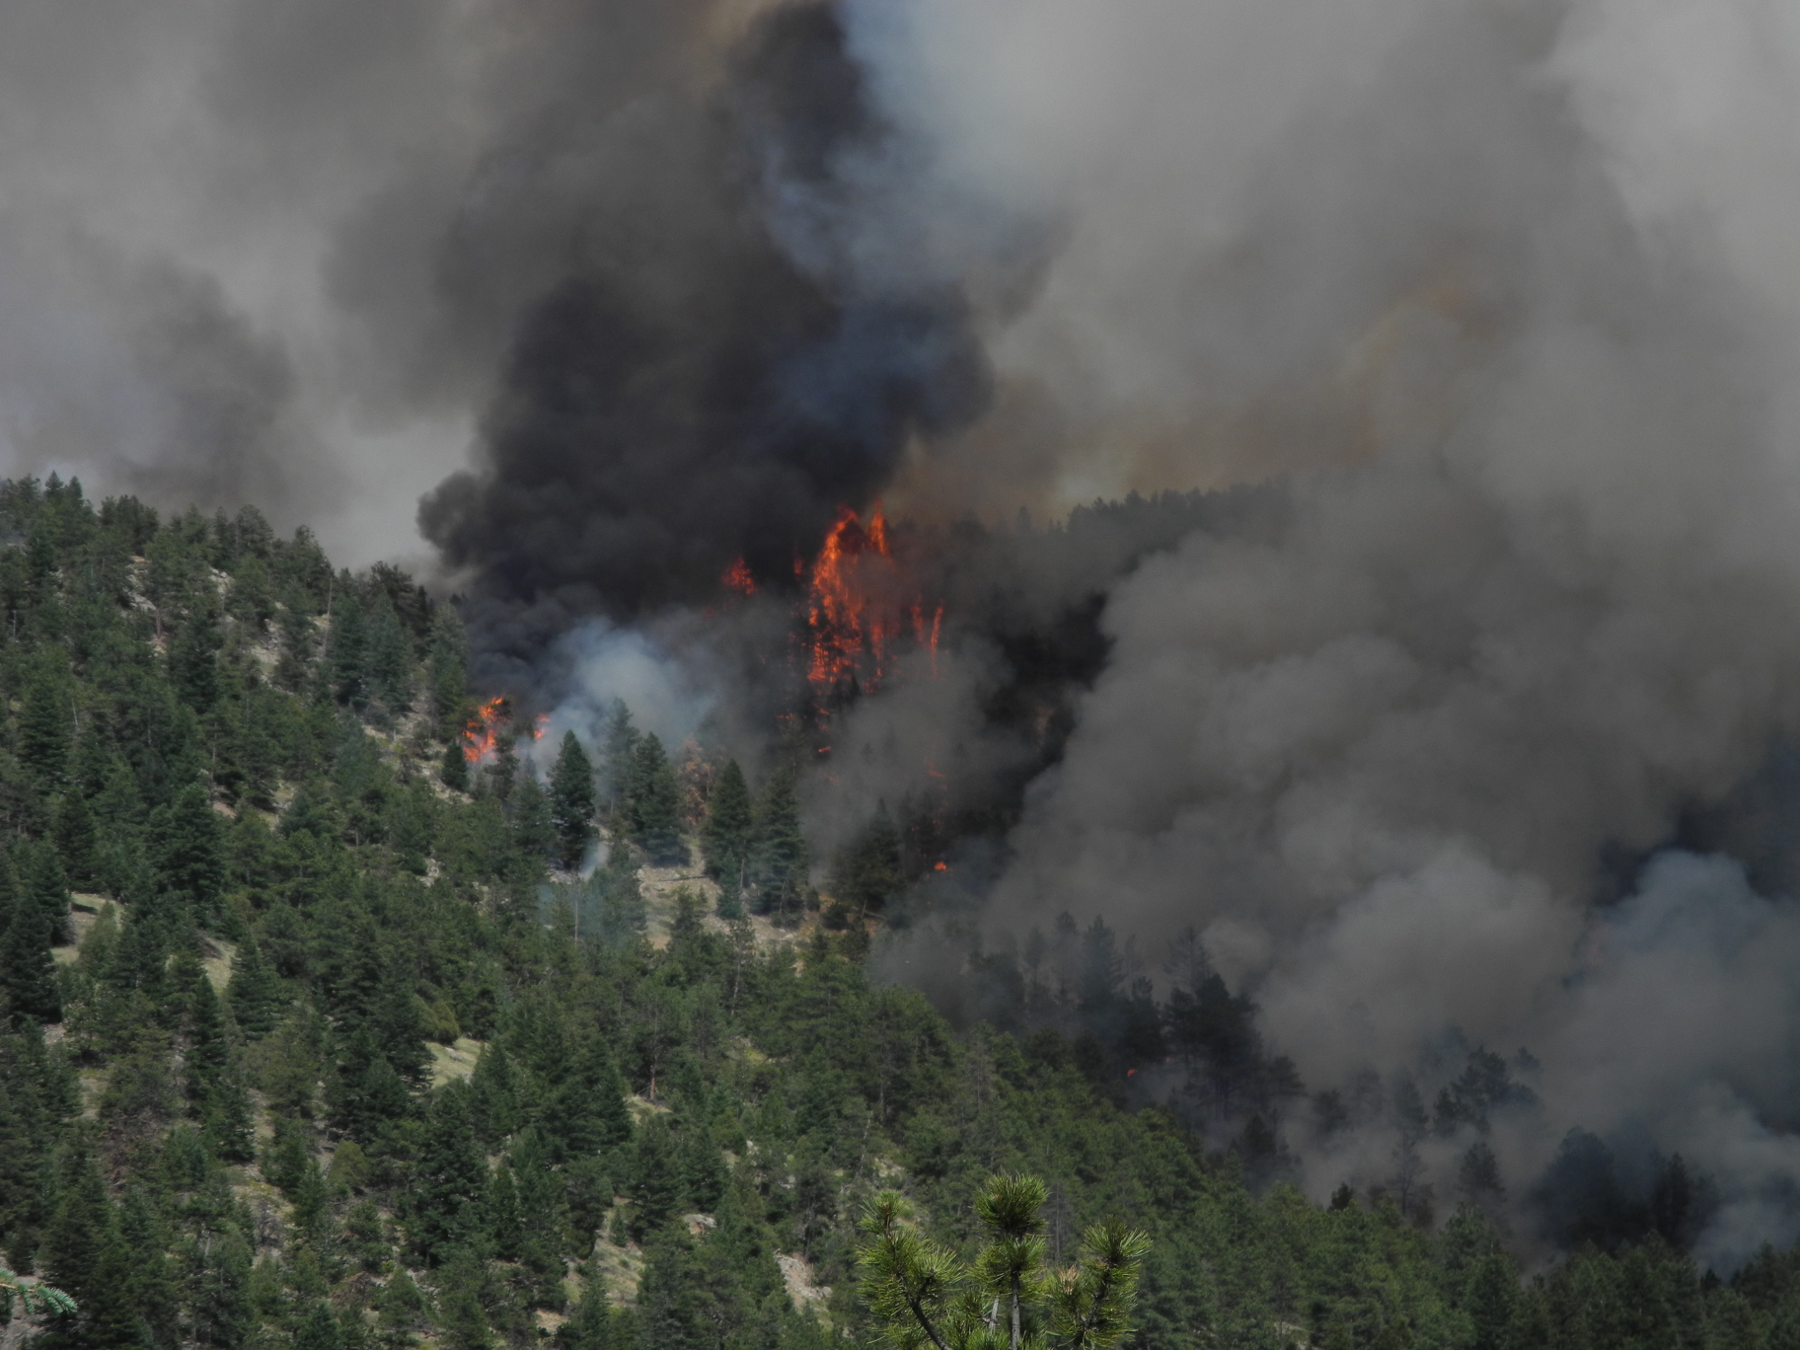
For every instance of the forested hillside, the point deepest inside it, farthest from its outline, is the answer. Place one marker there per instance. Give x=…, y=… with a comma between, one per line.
x=315, y=1037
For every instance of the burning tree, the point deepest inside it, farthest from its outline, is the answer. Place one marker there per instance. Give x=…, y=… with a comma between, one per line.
x=860, y=609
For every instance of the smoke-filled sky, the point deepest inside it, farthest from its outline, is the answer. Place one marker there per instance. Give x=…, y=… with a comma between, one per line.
x=1506, y=288
x=1506, y=292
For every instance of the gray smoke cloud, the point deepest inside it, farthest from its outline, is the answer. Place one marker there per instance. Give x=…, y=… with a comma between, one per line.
x=174, y=175
x=1503, y=289
x=285, y=251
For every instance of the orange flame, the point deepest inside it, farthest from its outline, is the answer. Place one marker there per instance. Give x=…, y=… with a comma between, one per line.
x=836, y=608
x=481, y=737
x=854, y=608
x=738, y=577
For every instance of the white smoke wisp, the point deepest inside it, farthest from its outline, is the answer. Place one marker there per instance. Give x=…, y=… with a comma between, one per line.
x=669, y=694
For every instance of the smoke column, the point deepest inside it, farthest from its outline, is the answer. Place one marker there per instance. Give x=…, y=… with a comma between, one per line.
x=318, y=256
x=1501, y=289
x=720, y=372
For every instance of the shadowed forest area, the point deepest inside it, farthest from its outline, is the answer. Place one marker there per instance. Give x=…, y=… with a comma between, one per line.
x=315, y=1037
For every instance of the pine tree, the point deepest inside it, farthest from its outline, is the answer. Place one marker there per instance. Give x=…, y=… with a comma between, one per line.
x=702, y=1170
x=219, y=1290
x=411, y=821
x=230, y=1119
x=299, y=637
x=454, y=770
x=208, y=1052
x=173, y=577
x=252, y=598
x=402, y=1306
x=462, y=1311
x=120, y=807
x=154, y=1296
x=572, y=801
x=725, y=837
x=654, y=806
x=400, y=1031
x=254, y=992
x=588, y=1190
x=655, y=1179
x=40, y=561
x=534, y=831
x=287, y=1155
x=27, y=970
x=29, y=1112
x=92, y=762
x=390, y=656
x=194, y=660
x=76, y=838
x=448, y=669
x=311, y=1221
x=450, y=1180
x=669, y=1297
x=110, y=1311
x=215, y=1092
x=44, y=724
x=502, y=774
x=618, y=759
x=364, y=1092
x=623, y=914
x=867, y=874
x=186, y=850
x=347, y=660
x=503, y=1213
x=319, y=1330
x=592, y=1327
x=141, y=960
x=43, y=885
x=80, y=1228
x=588, y=1112
x=494, y=1095
x=1478, y=1180
x=778, y=858
x=541, y=1214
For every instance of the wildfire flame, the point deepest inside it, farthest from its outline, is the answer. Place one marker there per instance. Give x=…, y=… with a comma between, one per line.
x=481, y=736
x=737, y=577
x=854, y=612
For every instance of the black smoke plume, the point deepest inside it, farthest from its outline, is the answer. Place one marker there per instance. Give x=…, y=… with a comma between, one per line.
x=715, y=377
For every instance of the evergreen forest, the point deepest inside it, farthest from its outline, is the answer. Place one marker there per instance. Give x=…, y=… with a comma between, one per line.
x=319, y=1035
